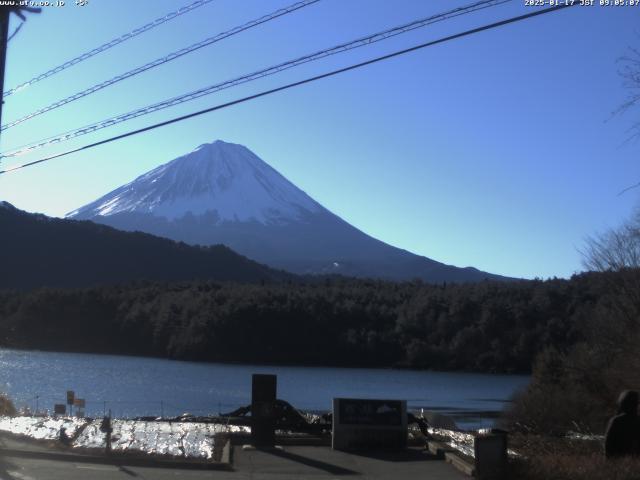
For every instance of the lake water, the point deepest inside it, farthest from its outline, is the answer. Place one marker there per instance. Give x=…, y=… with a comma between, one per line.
x=134, y=386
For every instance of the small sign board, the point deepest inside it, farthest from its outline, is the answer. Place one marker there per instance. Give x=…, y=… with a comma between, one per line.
x=70, y=397
x=355, y=411
x=79, y=402
x=369, y=423
x=60, y=409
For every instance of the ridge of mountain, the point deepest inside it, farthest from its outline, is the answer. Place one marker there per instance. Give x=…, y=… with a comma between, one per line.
x=39, y=251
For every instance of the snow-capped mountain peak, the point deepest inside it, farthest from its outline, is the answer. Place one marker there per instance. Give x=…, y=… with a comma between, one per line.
x=222, y=193
x=224, y=179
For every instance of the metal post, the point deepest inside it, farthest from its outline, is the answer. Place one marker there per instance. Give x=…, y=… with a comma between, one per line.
x=263, y=415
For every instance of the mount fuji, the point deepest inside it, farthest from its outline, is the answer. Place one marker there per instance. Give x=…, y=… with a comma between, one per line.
x=222, y=193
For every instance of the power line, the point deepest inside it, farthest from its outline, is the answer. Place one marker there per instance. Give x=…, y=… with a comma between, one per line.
x=162, y=60
x=360, y=42
x=15, y=32
x=106, y=46
x=296, y=84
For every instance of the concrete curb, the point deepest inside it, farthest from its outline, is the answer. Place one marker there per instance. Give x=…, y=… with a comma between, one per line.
x=438, y=448
x=460, y=463
x=225, y=458
x=451, y=456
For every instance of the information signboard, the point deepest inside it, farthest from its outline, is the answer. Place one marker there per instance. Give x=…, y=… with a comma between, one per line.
x=355, y=411
x=60, y=409
x=369, y=424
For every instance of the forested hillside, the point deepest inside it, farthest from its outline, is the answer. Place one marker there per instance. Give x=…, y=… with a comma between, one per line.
x=481, y=327
x=39, y=251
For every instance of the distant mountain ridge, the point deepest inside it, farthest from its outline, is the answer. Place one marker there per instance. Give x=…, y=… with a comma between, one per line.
x=38, y=251
x=222, y=193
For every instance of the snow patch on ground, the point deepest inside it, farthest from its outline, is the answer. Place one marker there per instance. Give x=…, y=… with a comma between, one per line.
x=188, y=440
x=176, y=439
x=40, y=428
x=460, y=441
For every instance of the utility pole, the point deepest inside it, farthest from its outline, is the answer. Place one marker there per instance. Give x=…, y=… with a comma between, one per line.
x=4, y=40
x=5, y=12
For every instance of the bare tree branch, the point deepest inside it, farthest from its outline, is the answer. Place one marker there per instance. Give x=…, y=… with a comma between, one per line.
x=629, y=72
x=615, y=249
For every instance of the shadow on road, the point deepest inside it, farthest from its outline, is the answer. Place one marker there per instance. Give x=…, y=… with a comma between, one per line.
x=409, y=455
x=131, y=473
x=115, y=460
x=310, y=462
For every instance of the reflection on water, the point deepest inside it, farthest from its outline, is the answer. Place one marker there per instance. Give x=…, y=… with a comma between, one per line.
x=135, y=386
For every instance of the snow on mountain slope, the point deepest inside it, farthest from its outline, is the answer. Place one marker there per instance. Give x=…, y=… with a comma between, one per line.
x=219, y=177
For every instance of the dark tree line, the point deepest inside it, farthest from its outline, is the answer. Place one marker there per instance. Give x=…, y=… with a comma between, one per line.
x=488, y=326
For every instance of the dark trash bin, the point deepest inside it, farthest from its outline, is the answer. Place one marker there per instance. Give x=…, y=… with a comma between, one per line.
x=490, y=449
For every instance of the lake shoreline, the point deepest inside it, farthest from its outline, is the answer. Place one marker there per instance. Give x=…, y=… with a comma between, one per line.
x=142, y=386
x=265, y=364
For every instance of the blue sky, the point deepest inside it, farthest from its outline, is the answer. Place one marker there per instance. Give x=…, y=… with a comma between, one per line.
x=497, y=150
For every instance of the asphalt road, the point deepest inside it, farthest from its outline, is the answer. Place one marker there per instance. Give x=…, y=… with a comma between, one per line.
x=30, y=469
x=290, y=462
